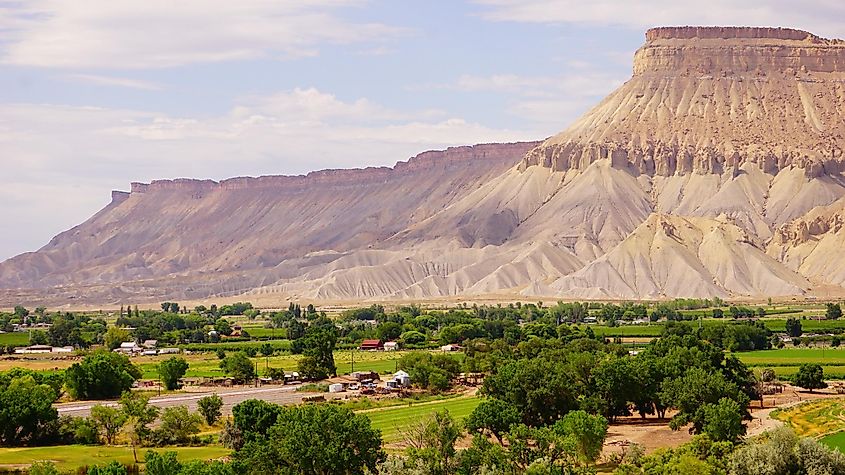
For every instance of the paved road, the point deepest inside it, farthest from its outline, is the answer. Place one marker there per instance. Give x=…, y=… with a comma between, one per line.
x=231, y=397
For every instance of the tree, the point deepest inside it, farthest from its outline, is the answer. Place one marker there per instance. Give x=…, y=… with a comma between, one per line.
x=310, y=369
x=541, y=390
x=494, y=416
x=223, y=327
x=253, y=418
x=693, y=391
x=209, y=407
x=584, y=432
x=412, y=337
x=388, y=331
x=319, y=343
x=139, y=415
x=833, y=311
x=810, y=376
x=101, y=375
x=432, y=442
x=238, y=366
x=177, y=425
x=26, y=409
x=115, y=336
x=793, y=327
x=108, y=421
x=315, y=439
x=723, y=421
x=768, y=375
x=171, y=371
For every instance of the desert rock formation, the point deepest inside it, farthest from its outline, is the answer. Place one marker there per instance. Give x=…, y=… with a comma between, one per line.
x=717, y=169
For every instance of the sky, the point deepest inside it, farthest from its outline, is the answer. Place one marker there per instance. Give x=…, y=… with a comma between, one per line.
x=95, y=94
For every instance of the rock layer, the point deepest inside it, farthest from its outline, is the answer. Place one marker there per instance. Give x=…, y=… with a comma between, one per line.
x=717, y=169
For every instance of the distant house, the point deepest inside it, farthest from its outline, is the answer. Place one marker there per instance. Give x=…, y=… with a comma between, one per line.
x=43, y=349
x=150, y=344
x=129, y=347
x=169, y=351
x=365, y=376
x=450, y=347
x=391, y=346
x=35, y=349
x=371, y=345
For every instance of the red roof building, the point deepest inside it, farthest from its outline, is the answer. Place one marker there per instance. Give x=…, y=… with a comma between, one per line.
x=371, y=345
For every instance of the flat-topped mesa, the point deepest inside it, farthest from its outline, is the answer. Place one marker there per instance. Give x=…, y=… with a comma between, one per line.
x=737, y=50
x=452, y=156
x=713, y=100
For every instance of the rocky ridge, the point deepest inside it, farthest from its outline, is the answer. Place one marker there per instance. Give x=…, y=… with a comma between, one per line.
x=717, y=169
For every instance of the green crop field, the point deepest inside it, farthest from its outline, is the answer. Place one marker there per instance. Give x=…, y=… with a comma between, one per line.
x=394, y=420
x=69, y=457
x=207, y=365
x=793, y=357
x=14, y=339
x=835, y=441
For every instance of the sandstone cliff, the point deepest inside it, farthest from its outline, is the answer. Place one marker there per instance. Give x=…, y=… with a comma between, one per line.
x=717, y=169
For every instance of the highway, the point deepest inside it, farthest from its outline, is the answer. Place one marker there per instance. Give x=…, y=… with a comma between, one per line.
x=231, y=397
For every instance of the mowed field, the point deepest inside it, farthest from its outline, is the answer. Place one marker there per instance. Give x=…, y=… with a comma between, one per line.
x=69, y=457
x=393, y=421
x=785, y=362
x=14, y=339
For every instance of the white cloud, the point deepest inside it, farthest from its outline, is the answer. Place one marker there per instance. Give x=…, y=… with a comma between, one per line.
x=822, y=17
x=549, y=103
x=164, y=33
x=114, y=81
x=60, y=162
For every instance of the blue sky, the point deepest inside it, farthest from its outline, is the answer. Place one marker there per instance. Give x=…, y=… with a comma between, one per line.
x=97, y=93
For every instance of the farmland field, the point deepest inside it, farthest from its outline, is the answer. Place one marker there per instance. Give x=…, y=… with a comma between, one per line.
x=393, y=420
x=793, y=357
x=14, y=339
x=835, y=441
x=69, y=457
x=815, y=418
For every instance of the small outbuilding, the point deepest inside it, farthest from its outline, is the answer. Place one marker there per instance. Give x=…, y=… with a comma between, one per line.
x=391, y=345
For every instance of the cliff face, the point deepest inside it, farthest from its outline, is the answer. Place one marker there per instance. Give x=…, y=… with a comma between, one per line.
x=717, y=169
x=710, y=100
x=198, y=228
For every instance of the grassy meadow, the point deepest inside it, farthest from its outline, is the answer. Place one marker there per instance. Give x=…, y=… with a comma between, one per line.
x=70, y=457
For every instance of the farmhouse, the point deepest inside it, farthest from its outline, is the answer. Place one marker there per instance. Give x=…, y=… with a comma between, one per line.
x=371, y=345
x=129, y=347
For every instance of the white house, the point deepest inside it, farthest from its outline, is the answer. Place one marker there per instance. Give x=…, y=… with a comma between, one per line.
x=35, y=349
x=129, y=347
x=450, y=348
x=150, y=344
x=391, y=346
